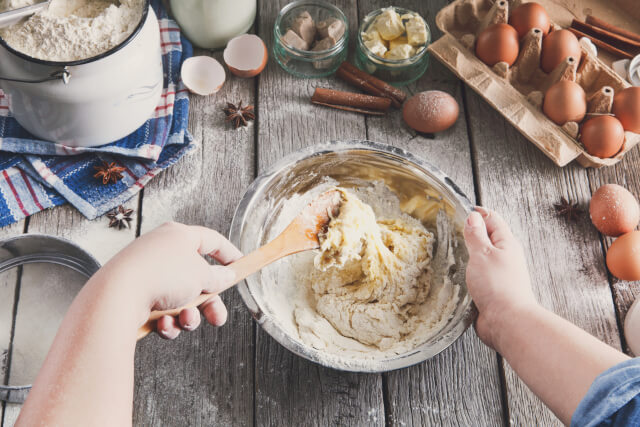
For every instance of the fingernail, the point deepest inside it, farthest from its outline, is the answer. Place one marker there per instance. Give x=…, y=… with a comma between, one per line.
x=474, y=219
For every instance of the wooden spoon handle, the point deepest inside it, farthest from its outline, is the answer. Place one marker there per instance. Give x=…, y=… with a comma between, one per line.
x=243, y=268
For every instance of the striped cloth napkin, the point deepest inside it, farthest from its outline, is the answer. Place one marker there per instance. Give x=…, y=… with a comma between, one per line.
x=36, y=174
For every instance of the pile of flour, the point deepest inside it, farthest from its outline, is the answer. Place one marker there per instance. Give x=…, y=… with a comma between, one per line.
x=360, y=303
x=72, y=30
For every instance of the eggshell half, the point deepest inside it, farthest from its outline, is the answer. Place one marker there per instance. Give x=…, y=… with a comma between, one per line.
x=430, y=111
x=623, y=257
x=613, y=210
x=246, y=55
x=202, y=75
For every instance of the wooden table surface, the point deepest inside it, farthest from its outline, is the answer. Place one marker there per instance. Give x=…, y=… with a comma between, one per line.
x=237, y=374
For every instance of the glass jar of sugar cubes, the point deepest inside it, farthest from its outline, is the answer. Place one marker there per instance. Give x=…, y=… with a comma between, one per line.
x=310, y=38
x=392, y=45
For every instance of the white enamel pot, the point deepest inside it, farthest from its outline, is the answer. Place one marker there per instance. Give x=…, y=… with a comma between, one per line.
x=89, y=102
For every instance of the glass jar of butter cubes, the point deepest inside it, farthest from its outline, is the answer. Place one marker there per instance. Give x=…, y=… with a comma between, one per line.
x=392, y=45
x=310, y=38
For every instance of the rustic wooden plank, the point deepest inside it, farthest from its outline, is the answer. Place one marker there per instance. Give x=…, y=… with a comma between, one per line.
x=625, y=174
x=93, y=236
x=565, y=259
x=204, y=377
x=290, y=390
x=8, y=283
x=461, y=386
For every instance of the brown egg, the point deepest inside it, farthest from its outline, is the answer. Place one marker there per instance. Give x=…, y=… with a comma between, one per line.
x=564, y=102
x=498, y=43
x=613, y=210
x=626, y=107
x=430, y=111
x=602, y=136
x=528, y=16
x=623, y=257
x=556, y=47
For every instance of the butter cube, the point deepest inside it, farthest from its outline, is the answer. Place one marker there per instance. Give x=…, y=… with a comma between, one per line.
x=395, y=42
x=416, y=31
x=372, y=35
x=389, y=24
x=377, y=47
x=401, y=51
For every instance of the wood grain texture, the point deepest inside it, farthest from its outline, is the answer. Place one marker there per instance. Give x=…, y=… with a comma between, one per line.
x=460, y=386
x=289, y=389
x=627, y=174
x=204, y=377
x=565, y=259
x=8, y=283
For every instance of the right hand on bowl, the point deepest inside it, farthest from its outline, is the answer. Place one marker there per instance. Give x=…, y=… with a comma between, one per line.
x=497, y=275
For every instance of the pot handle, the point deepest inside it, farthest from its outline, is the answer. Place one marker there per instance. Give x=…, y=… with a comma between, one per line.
x=64, y=75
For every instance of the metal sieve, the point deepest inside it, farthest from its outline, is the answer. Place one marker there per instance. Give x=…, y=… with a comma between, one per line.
x=41, y=248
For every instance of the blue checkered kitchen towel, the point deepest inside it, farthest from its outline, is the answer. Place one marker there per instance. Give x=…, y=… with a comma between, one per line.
x=36, y=175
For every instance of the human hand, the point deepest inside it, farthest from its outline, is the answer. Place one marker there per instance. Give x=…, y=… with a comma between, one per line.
x=497, y=275
x=165, y=269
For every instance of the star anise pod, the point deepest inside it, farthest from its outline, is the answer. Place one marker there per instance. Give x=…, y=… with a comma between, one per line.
x=567, y=209
x=120, y=217
x=109, y=172
x=239, y=115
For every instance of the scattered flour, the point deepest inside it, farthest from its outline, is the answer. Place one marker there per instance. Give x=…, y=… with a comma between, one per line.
x=71, y=30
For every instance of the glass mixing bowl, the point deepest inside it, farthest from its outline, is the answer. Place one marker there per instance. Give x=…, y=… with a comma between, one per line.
x=349, y=163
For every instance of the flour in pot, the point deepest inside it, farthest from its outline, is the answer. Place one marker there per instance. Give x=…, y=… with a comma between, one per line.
x=71, y=30
x=371, y=290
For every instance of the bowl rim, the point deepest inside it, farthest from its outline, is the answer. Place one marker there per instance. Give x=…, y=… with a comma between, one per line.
x=415, y=356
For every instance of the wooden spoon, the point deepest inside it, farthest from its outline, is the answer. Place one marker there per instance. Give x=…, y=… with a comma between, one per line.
x=300, y=235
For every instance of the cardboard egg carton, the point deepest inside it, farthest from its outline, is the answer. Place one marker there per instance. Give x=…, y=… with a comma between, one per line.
x=518, y=91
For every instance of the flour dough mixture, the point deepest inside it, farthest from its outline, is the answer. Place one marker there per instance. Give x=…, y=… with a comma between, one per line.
x=371, y=274
x=376, y=287
x=71, y=30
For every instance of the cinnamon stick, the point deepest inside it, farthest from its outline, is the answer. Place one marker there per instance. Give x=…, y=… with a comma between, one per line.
x=604, y=35
x=602, y=45
x=609, y=27
x=364, y=85
x=350, y=101
x=354, y=75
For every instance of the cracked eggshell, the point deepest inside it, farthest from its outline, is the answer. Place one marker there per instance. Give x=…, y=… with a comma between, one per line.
x=246, y=55
x=202, y=75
